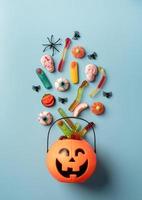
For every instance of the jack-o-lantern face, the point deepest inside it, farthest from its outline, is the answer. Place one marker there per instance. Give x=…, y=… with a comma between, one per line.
x=71, y=160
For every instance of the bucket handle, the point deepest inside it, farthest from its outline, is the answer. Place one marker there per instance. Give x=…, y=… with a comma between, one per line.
x=48, y=134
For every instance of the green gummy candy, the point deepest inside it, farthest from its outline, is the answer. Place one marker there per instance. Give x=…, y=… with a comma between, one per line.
x=44, y=79
x=64, y=128
x=78, y=127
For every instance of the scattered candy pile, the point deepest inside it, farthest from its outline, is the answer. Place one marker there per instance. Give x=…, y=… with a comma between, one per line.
x=68, y=128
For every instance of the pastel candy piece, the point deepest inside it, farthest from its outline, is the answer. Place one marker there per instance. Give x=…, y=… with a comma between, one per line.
x=79, y=109
x=74, y=72
x=44, y=79
x=45, y=118
x=90, y=77
x=47, y=62
x=91, y=71
x=62, y=84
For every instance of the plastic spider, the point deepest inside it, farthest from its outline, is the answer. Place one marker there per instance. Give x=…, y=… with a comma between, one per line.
x=36, y=88
x=62, y=100
x=107, y=94
x=93, y=56
x=76, y=35
x=52, y=45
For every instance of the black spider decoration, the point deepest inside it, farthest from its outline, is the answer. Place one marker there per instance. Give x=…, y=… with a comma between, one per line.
x=107, y=94
x=36, y=88
x=93, y=56
x=76, y=35
x=52, y=45
x=62, y=100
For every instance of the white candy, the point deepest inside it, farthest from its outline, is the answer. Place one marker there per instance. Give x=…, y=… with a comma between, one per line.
x=91, y=71
x=45, y=118
x=62, y=84
x=79, y=109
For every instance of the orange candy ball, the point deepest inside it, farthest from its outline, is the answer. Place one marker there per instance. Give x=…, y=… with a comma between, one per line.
x=48, y=100
x=97, y=108
x=78, y=52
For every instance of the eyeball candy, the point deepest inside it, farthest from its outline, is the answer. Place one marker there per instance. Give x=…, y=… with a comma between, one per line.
x=91, y=71
x=45, y=118
x=47, y=62
x=62, y=84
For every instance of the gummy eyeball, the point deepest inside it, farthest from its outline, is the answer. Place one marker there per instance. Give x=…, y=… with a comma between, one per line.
x=62, y=84
x=47, y=62
x=45, y=118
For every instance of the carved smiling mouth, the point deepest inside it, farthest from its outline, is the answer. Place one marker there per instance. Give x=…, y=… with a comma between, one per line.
x=70, y=170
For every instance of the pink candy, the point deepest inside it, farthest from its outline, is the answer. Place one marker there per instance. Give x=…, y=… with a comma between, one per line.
x=45, y=118
x=91, y=71
x=48, y=63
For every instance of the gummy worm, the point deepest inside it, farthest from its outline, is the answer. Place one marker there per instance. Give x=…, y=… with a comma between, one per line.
x=86, y=128
x=101, y=83
x=62, y=61
x=79, y=109
x=79, y=96
x=64, y=128
x=68, y=121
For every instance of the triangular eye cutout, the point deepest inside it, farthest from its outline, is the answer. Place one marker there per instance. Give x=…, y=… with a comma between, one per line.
x=72, y=160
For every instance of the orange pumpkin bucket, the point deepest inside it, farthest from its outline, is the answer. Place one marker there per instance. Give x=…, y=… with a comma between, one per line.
x=71, y=160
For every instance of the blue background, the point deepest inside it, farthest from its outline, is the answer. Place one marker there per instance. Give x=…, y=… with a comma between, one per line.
x=111, y=28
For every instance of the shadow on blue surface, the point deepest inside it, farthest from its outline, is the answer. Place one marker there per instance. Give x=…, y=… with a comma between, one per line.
x=100, y=179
